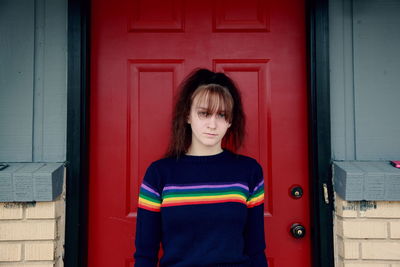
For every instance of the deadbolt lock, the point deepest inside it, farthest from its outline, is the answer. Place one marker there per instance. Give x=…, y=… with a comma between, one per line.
x=296, y=191
x=297, y=230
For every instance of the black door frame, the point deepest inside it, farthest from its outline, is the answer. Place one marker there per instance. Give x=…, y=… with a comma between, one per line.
x=78, y=133
x=320, y=133
x=76, y=221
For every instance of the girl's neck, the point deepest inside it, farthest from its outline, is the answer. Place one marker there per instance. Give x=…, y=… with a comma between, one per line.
x=197, y=151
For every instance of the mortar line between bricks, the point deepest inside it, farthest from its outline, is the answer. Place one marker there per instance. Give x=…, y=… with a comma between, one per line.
x=28, y=220
x=389, y=263
x=11, y=220
x=11, y=242
x=23, y=251
x=371, y=239
x=379, y=218
x=376, y=240
x=367, y=219
x=353, y=261
x=374, y=261
x=40, y=219
x=23, y=212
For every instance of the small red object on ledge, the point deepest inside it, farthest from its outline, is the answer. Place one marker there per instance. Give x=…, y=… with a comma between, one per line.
x=395, y=163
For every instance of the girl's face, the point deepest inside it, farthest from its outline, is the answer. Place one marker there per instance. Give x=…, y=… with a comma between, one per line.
x=207, y=129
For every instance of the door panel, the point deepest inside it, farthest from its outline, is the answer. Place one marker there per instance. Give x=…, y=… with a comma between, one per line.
x=141, y=51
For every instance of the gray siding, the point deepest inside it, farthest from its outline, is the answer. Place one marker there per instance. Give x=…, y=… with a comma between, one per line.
x=33, y=90
x=16, y=79
x=365, y=79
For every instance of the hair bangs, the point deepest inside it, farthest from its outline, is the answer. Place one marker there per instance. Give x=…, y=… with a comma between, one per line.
x=214, y=98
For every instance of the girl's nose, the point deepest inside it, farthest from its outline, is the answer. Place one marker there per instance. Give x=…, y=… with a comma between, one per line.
x=212, y=121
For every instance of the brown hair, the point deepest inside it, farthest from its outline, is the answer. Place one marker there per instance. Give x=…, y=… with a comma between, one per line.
x=220, y=93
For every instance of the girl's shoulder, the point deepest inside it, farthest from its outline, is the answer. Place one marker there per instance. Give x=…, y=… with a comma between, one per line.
x=240, y=158
x=252, y=168
x=162, y=162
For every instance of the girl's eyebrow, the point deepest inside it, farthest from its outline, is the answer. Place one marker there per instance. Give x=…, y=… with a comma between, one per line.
x=206, y=109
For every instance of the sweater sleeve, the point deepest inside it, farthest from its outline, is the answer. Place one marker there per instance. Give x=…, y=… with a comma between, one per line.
x=254, y=232
x=148, y=224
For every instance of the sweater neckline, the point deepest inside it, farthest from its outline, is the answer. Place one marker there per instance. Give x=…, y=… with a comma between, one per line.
x=208, y=158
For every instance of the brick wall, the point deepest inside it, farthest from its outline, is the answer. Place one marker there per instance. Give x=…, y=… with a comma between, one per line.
x=32, y=234
x=367, y=233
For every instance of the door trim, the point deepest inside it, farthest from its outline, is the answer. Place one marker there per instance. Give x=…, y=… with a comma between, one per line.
x=320, y=133
x=76, y=221
x=78, y=133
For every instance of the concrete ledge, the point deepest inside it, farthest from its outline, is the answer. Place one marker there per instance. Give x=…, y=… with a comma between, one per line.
x=366, y=180
x=26, y=182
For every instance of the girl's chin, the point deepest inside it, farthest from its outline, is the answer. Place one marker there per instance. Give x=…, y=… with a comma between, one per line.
x=211, y=145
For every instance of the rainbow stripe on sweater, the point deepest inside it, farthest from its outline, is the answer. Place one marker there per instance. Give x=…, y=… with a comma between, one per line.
x=149, y=199
x=179, y=195
x=257, y=197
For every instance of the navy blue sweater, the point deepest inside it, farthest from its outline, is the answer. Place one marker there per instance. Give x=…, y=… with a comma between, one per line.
x=204, y=210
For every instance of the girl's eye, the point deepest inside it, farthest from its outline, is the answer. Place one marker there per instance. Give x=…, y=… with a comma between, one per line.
x=203, y=114
x=221, y=115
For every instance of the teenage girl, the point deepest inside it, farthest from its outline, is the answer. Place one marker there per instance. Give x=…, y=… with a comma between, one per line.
x=202, y=202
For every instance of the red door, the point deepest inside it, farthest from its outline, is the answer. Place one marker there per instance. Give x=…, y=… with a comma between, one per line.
x=141, y=50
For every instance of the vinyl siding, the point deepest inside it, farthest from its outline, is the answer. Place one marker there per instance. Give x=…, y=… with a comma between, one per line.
x=365, y=79
x=33, y=88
